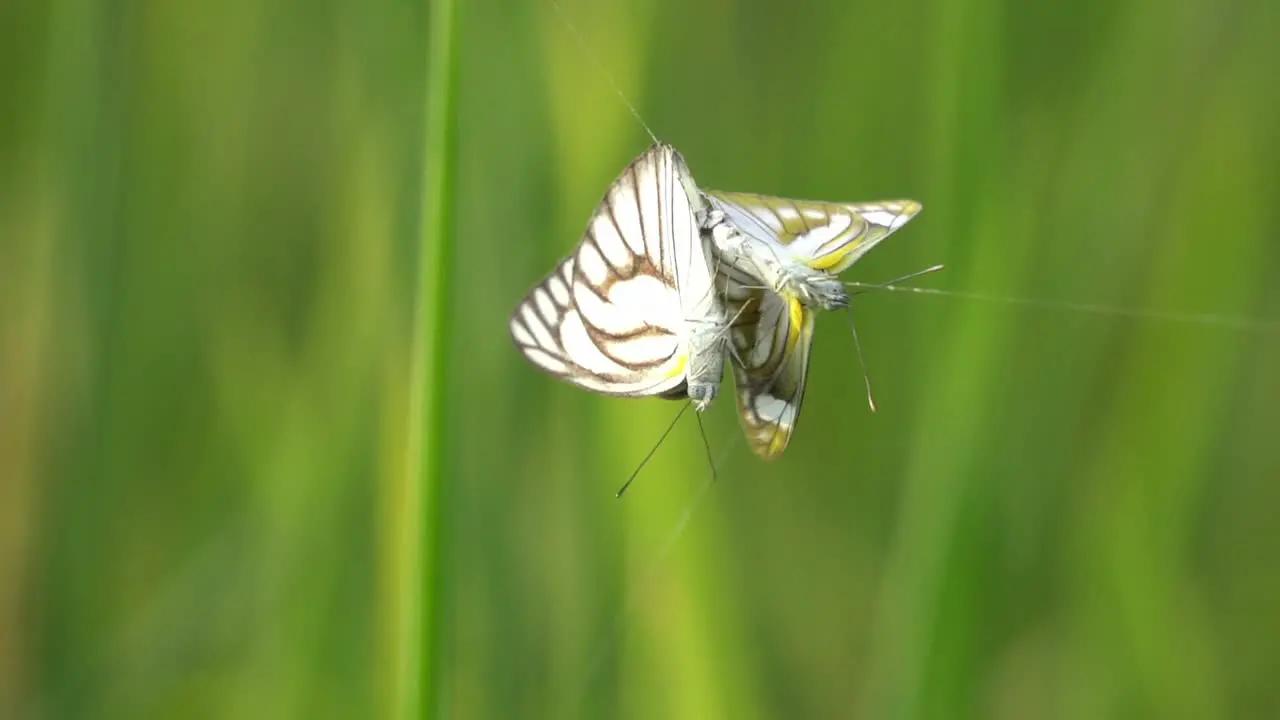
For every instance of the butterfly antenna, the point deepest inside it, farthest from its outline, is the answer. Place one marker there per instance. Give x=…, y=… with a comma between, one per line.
x=653, y=450
x=863, y=287
x=707, y=445
x=866, y=378
x=603, y=70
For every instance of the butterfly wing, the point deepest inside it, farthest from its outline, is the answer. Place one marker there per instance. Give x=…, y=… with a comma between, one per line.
x=772, y=340
x=822, y=235
x=614, y=317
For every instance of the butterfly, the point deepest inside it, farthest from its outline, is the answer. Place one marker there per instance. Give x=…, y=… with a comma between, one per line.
x=781, y=259
x=634, y=311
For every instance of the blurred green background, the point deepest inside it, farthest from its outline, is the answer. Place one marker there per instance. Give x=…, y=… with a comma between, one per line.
x=210, y=212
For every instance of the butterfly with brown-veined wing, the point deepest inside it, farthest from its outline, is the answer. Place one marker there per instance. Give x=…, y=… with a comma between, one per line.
x=780, y=258
x=634, y=311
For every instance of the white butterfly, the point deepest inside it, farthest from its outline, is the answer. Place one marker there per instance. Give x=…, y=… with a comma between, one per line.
x=779, y=267
x=634, y=310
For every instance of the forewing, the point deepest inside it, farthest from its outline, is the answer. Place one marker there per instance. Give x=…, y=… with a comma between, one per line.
x=772, y=340
x=611, y=317
x=822, y=235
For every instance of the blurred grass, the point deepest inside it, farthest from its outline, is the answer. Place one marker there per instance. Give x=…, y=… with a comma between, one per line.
x=212, y=219
x=422, y=584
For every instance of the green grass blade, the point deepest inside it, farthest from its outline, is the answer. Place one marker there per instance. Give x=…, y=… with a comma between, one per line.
x=418, y=680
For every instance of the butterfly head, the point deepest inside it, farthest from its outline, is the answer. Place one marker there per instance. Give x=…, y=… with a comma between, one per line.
x=814, y=288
